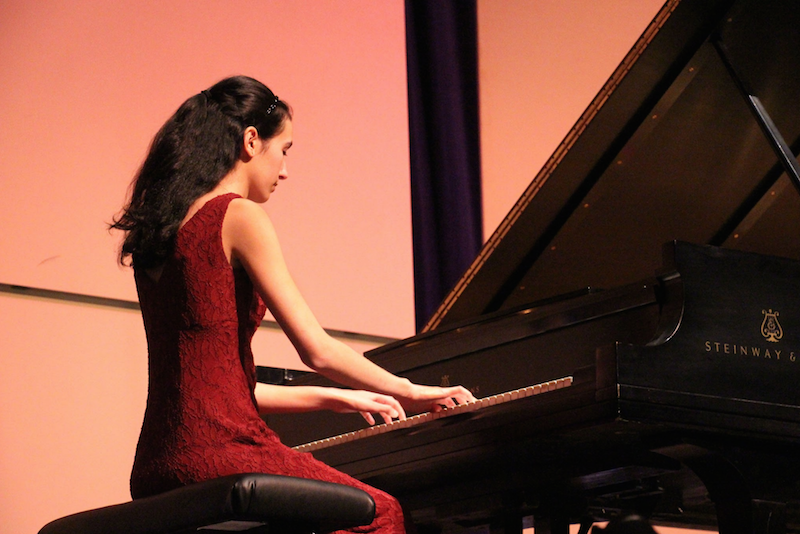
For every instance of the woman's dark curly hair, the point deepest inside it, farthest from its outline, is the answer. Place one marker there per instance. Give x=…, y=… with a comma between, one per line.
x=188, y=157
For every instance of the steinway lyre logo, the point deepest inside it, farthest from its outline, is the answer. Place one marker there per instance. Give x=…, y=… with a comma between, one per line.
x=770, y=327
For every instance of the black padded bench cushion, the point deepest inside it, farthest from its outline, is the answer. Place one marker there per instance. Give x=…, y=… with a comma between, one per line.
x=258, y=502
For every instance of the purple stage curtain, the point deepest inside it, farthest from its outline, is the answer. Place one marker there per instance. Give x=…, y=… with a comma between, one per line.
x=441, y=40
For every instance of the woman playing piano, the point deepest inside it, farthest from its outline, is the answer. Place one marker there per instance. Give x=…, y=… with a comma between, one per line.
x=207, y=265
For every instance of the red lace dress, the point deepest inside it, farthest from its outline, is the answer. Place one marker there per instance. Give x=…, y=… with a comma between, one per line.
x=201, y=420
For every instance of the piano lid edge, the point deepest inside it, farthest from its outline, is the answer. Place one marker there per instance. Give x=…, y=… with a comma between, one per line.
x=685, y=21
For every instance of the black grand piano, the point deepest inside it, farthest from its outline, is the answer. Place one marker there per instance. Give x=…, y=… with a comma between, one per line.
x=648, y=281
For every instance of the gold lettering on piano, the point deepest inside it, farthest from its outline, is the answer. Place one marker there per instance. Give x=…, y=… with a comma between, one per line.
x=764, y=353
x=445, y=381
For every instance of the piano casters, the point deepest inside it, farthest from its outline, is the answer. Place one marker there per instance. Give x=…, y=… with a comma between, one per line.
x=746, y=486
x=626, y=524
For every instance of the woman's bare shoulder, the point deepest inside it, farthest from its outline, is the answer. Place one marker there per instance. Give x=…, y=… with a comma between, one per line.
x=242, y=211
x=247, y=228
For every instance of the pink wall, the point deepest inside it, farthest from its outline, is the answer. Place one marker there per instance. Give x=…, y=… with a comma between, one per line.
x=72, y=392
x=83, y=87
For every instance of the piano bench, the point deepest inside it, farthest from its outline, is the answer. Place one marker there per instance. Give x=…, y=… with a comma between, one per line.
x=254, y=503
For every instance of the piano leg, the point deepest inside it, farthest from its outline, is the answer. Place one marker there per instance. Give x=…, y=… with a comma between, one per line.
x=738, y=510
x=769, y=517
x=586, y=525
x=626, y=524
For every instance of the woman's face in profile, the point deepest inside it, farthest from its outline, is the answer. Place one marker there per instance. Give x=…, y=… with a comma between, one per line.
x=270, y=164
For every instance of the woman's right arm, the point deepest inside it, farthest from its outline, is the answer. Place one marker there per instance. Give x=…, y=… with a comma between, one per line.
x=251, y=237
x=294, y=399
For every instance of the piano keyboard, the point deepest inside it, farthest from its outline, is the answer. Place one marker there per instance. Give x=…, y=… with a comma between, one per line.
x=415, y=420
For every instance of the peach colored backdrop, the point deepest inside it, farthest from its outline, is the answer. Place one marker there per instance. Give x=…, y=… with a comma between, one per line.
x=84, y=84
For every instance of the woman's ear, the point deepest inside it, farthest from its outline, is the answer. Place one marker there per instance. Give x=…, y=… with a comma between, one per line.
x=250, y=141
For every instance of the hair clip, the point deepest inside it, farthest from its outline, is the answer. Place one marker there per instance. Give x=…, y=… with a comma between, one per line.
x=274, y=105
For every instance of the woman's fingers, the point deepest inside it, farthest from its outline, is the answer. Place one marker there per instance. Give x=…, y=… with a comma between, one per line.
x=373, y=406
x=461, y=394
x=436, y=398
x=370, y=404
x=389, y=408
x=368, y=418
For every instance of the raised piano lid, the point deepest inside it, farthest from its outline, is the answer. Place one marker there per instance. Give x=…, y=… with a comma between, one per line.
x=668, y=150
